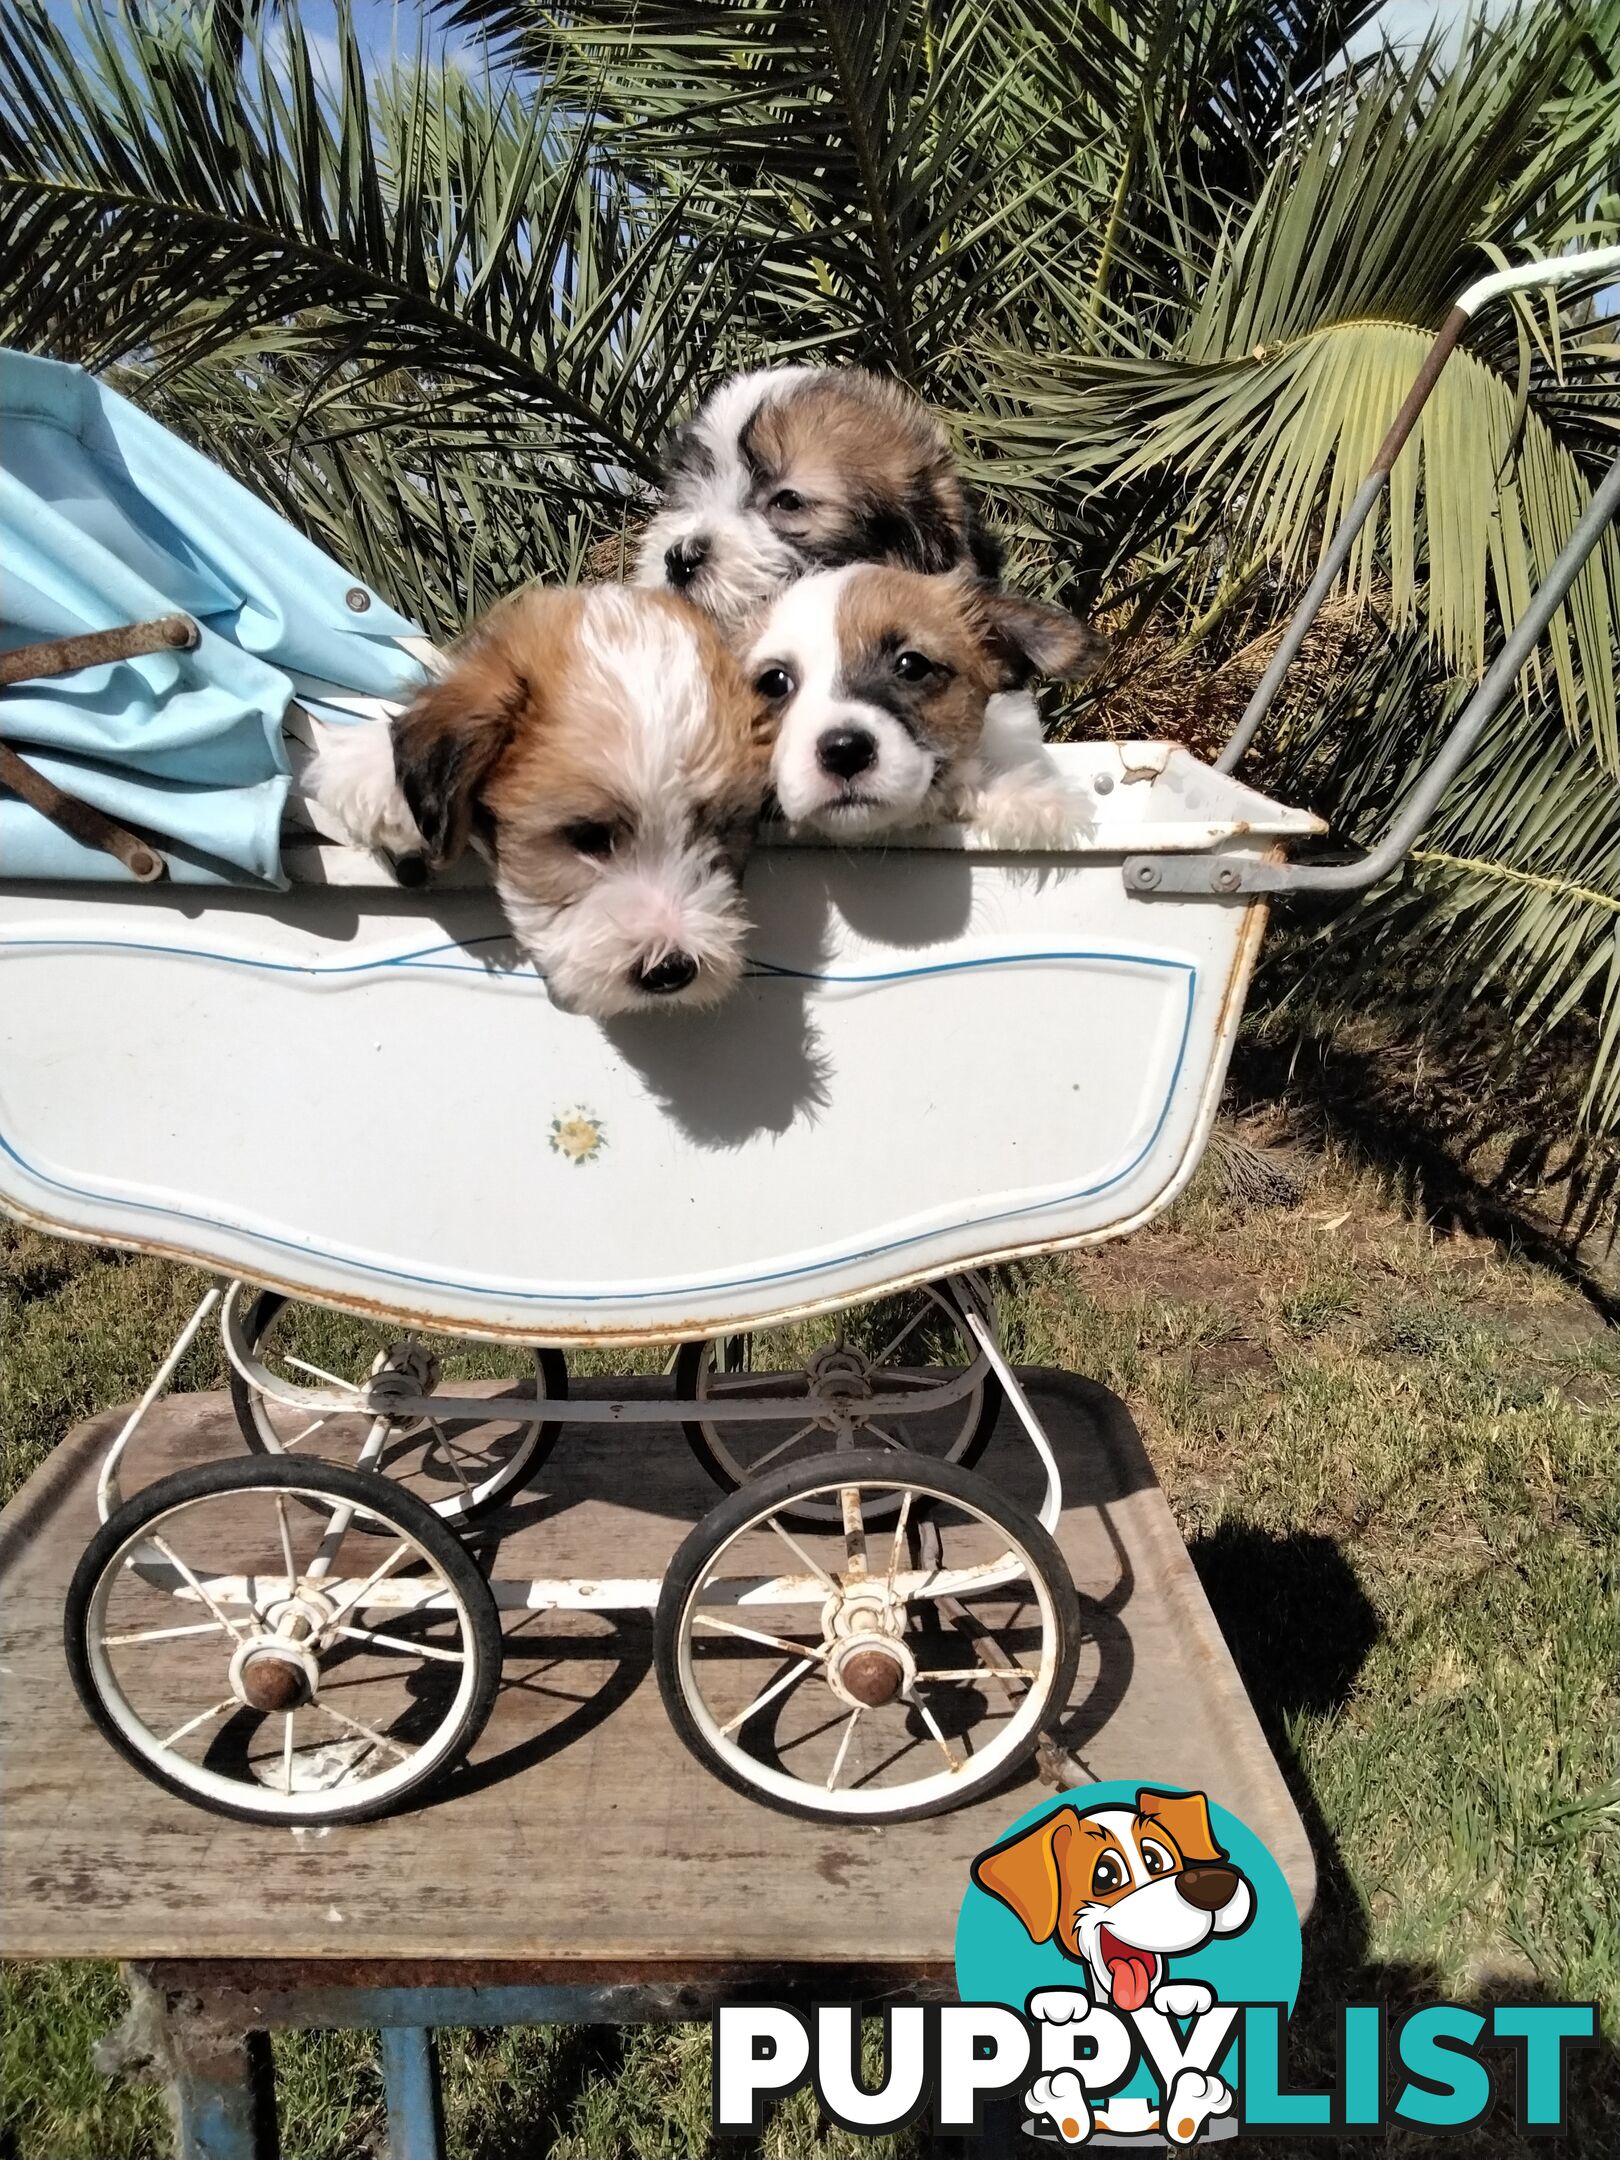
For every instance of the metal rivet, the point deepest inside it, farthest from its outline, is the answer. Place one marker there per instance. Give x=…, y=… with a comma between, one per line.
x=358, y=598
x=1147, y=876
x=1226, y=880
x=1104, y=783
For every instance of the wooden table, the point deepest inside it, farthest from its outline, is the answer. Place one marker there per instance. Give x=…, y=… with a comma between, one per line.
x=583, y=1866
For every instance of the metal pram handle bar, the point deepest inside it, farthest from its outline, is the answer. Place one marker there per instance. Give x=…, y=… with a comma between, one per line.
x=1150, y=876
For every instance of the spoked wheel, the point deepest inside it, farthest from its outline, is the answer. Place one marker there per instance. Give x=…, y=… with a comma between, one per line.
x=265, y=1661
x=913, y=1345
x=459, y=1467
x=877, y=1670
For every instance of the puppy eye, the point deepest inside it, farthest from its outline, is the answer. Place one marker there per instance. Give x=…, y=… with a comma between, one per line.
x=787, y=500
x=591, y=836
x=774, y=683
x=913, y=667
x=1156, y=1860
x=1106, y=1875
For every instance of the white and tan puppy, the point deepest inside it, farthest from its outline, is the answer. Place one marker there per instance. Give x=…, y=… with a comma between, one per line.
x=884, y=685
x=788, y=470
x=785, y=472
x=605, y=751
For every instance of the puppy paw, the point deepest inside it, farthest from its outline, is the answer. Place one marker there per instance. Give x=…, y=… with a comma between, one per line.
x=347, y=787
x=1194, y=2098
x=1183, y=1998
x=1058, y=2006
x=1014, y=812
x=1061, y=2098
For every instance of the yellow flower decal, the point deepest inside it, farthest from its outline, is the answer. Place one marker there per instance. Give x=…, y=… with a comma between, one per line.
x=577, y=1136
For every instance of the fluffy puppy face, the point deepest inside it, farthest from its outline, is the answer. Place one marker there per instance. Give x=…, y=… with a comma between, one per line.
x=607, y=753
x=878, y=680
x=795, y=469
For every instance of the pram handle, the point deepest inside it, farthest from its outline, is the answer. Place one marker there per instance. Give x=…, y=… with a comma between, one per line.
x=1149, y=876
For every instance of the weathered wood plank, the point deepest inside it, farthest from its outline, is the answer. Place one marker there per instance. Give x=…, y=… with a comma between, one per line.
x=583, y=1840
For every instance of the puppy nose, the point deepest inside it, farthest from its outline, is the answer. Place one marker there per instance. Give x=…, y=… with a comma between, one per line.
x=666, y=976
x=1207, y=1888
x=845, y=751
x=684, y=560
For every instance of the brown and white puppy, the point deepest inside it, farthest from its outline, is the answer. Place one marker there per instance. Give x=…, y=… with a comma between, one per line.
x=1121, y=1890
x=887, y=689
x=793, y=469
x=604, y=749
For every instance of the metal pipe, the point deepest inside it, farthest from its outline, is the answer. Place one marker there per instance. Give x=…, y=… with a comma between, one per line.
x=108, y=1495
x=80, y=820
x=1233, y=875
x=411, y=2089
x=97, y=648
x=1593, y=262
x=1480, y=710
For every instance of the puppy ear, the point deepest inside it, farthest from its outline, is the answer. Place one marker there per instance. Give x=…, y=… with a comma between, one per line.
x=1026, y=1873
x=447, y=740
x=1026, y=637
x=1186, y=1817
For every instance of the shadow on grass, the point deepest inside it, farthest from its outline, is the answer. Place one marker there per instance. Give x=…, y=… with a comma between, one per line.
x=1299, y=1627
x=1350, y=1092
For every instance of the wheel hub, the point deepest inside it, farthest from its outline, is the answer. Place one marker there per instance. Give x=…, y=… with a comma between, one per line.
x=277, y=1667
x=837, y=1377
x=271, y=1675
x=868, y=1661
x=404, y=1369
x=868, y=1674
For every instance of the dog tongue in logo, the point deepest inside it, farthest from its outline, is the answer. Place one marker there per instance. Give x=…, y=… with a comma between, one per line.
x=1130, y=1971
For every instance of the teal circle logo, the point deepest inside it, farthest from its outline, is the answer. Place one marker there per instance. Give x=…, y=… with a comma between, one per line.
x=1123, y=1911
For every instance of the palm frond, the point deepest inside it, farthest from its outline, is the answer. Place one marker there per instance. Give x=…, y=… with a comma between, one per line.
x=442, y=232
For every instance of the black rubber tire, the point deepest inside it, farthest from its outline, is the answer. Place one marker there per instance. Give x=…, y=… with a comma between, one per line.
x=245, y=1401
x=775, y=1492
x=362, y=1488
x=688, y=1369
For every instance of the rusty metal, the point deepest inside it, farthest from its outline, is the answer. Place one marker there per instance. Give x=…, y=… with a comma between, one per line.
x=97, y=648
x=81, y=821
x=1417, y=397
x=338, y=1992
x=274, y=1683
x=872, y=1676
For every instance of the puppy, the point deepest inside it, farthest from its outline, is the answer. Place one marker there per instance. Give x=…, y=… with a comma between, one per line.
x=793, y=469
x=788, y=471
x=1121, y=1890
x=604, y=750
x=884, y=689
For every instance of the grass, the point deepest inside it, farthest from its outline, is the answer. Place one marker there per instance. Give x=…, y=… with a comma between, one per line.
x=1394, y=1457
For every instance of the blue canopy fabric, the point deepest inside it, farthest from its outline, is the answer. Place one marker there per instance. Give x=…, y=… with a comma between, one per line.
x=107, y=519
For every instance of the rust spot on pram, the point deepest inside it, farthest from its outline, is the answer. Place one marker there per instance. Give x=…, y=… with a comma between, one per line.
x=1236, y=988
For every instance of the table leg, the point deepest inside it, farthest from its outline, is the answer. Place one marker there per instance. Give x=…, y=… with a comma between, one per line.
x=410, y=2068
x=224, y=2101
x=218, y=2078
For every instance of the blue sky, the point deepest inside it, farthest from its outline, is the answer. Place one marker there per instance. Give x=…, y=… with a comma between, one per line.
x=383, y=24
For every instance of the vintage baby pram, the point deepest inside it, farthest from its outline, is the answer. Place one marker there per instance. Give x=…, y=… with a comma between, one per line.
x=274, y=1064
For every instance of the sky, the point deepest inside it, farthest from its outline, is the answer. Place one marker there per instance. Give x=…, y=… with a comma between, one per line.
x=383, y=24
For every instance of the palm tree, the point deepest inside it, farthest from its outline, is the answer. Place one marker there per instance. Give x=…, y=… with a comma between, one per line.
x=1166, y=267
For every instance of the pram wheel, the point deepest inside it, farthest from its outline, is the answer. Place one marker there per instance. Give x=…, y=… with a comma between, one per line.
x=913, y=1344
x=271, y=1666
x=865, y=1670
x=458, y=1466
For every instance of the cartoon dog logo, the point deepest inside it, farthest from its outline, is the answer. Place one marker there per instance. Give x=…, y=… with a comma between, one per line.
x=1121, y=1891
